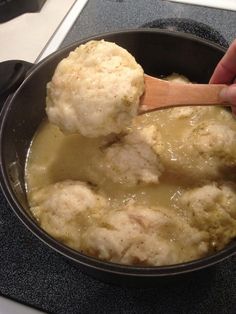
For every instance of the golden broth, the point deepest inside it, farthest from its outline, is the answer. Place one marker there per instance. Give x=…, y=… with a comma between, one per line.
x=54, y=156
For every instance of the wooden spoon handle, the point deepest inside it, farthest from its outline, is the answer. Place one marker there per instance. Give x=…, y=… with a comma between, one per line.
x=164, y=94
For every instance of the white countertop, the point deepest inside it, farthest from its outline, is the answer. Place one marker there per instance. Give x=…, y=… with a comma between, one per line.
x=219, y=4
x=26, y=36
x=8, y=306
x=31, y=37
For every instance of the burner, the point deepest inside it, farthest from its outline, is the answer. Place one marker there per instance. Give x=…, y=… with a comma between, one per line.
x=191, y=27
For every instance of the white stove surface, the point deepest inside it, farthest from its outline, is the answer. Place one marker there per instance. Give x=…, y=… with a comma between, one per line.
x=31, y=37
x=8, y=306
x=219, y=4
x=32, y=34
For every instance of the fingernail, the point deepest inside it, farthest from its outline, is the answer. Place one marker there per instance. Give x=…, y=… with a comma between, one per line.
x=224, y=93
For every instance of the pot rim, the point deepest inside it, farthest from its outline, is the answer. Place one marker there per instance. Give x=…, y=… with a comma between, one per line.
x=137, y=30
x=85, y=260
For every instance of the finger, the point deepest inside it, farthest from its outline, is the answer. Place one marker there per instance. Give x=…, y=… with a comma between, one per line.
x=225, y=71
x=228, y=94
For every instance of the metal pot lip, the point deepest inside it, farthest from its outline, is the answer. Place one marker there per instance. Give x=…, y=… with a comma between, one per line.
x=167, y=32
x=119, y=269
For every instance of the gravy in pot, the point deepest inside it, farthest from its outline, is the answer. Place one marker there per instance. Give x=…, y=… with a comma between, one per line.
x=139, y=222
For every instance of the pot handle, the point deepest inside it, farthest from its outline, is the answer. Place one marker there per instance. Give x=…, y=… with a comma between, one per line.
x=12, y=74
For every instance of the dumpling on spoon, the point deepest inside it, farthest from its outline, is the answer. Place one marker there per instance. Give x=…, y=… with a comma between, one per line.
x=96, y=90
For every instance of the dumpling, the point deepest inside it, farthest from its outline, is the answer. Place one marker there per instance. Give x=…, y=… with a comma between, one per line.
x=63, y=209
x=133, y=159
x=205, y=152
x=95, y=90
x=212, y=208
x=144, y=236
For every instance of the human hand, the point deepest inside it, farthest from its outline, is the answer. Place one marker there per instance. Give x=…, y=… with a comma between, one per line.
x=225, y=73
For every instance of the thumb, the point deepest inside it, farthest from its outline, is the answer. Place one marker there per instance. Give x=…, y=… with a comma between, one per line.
x=228, y=94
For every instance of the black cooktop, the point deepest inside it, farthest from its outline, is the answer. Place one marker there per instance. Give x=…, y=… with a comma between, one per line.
x=189, y=26
x=32, y=273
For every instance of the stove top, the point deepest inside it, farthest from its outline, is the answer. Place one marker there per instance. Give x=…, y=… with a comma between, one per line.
x=103, y=16
x=189, y=26
x=32, y=273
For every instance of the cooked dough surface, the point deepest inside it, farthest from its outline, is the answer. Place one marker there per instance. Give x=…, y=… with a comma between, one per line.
x=95, y=90
x=144, y=236
x=63, y=209
x=133, y=159
x=212, y=208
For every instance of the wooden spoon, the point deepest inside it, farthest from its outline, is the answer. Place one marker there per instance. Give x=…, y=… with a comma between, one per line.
x=161, y=94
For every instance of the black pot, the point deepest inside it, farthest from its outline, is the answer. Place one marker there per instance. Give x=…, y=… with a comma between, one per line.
x=160, y=53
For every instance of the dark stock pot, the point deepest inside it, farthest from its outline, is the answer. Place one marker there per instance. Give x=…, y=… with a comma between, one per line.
x=160, y=52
